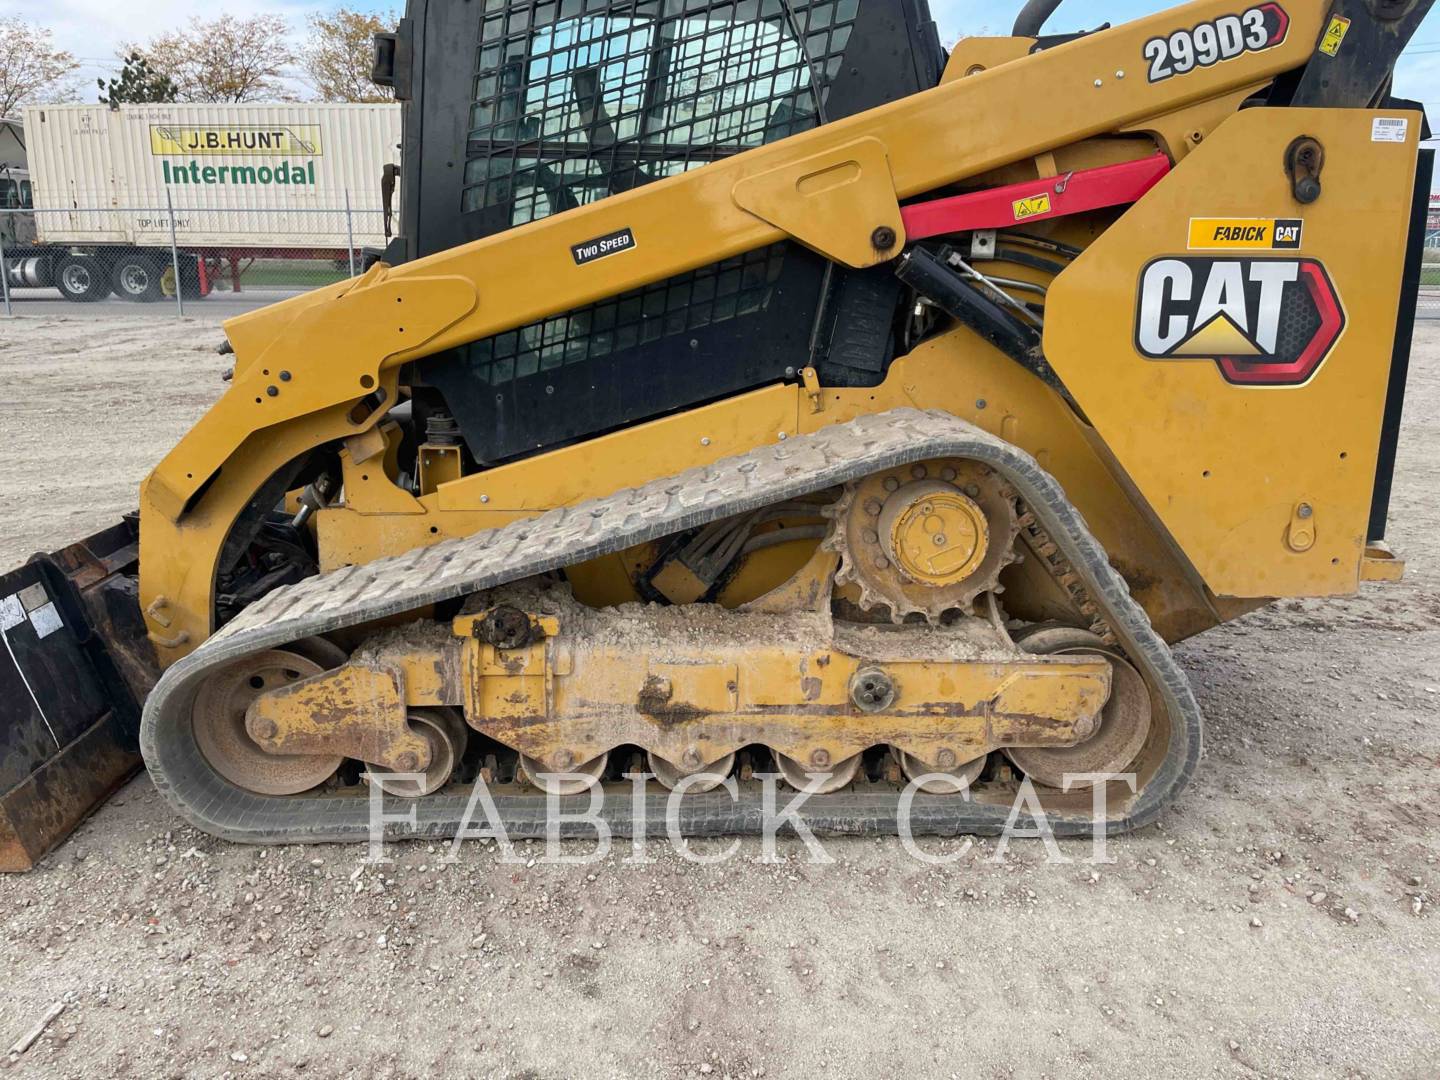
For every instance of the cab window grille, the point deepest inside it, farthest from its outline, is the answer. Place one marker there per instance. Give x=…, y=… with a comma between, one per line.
x=678, y=305
x=578, y=99
x=571, y=101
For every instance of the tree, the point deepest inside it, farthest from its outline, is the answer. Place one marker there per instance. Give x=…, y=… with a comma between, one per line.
x=138, y=84
x=338, y=54
x=32, y=70
x=224, y=60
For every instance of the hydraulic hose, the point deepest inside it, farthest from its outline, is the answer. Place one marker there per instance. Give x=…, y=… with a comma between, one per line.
x=1032, y=17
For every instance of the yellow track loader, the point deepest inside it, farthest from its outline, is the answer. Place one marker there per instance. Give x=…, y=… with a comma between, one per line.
x=753, y=388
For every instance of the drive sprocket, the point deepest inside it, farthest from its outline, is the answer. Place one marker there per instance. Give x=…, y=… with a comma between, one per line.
x=924, y=539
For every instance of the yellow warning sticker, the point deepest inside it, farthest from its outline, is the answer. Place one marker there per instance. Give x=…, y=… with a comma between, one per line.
x=1031, y=206
x=1334, y=35
x=1244, y=234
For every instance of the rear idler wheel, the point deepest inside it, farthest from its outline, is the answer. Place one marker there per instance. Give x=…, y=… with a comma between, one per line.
x=446, y=736
x=576, y=780
x=705, y=778
x=799, y=776
x=1124, y=720
x=939, y=781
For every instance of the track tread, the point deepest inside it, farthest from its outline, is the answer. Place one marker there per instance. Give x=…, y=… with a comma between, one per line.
x=457, y=567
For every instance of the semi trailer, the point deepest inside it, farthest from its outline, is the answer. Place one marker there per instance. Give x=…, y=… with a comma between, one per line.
x=122, y=200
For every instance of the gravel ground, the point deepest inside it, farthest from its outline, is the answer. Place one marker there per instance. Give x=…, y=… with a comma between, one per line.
x=1276, y=922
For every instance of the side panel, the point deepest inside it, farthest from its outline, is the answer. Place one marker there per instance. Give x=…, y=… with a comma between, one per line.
x=1249, y=414
x=72, y=165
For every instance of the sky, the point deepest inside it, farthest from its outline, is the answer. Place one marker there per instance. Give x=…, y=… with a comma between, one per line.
x=94, y=29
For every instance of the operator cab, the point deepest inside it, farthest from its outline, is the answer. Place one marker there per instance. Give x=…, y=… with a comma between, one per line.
x=533, y=107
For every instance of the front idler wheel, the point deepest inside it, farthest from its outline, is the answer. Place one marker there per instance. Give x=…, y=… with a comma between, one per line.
x=218, y=717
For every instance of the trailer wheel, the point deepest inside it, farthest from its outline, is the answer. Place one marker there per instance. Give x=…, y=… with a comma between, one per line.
x=136, y=277
x=81, y=278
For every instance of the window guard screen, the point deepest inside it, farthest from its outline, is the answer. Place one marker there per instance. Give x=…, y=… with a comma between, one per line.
x=679, y=305
x=578, y=99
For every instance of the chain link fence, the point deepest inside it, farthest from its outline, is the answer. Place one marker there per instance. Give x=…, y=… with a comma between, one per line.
x=1428, y=305
x=178, y=258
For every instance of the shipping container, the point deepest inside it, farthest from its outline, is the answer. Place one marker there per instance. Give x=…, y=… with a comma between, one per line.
x=259, y=194
x=238, y=176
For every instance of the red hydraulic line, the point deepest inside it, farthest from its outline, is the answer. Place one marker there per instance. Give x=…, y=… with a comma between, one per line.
x=1035, y=200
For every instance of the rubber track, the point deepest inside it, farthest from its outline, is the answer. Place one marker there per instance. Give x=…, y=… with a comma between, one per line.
x=570, y=535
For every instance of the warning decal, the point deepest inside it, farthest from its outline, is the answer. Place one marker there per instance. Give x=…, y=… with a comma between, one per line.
x=1031, y=206
x=1334, y=35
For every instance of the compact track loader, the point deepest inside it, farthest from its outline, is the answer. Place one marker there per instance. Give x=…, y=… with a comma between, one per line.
x=755, y=388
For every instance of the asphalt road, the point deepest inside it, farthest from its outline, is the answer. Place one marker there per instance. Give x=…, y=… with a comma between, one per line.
x=217, y=304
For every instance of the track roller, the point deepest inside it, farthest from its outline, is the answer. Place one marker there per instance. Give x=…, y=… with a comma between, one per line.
x=575, y=780
x=709, y=777
x=951, y=781
x=798, y=775
x=446, y=735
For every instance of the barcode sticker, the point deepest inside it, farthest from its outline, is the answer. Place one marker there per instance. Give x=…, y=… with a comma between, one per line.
x=1389, y=129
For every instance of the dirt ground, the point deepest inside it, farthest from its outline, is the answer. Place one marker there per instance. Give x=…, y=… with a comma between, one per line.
x=1277, y=922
